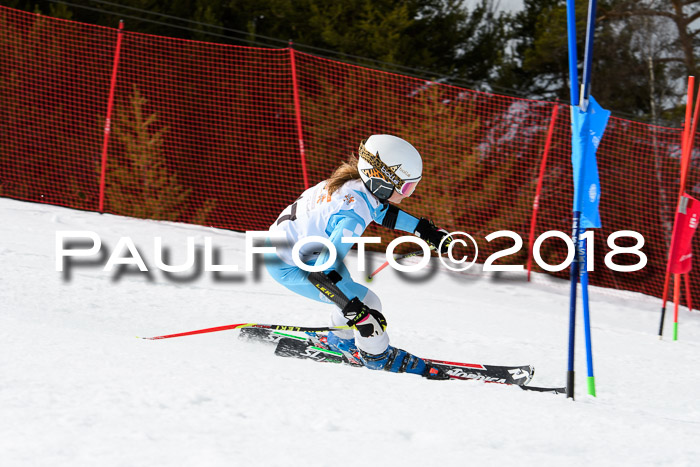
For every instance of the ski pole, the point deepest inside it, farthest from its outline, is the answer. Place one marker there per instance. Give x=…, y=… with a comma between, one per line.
x=322, y=281
x=276, y=327
x=386, y=263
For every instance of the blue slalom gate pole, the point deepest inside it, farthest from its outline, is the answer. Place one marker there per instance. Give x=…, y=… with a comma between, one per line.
x=573, y=77
x=572, y=306
x=573, y=59
x=585, y=94
x=586, y=315
x=580, y=135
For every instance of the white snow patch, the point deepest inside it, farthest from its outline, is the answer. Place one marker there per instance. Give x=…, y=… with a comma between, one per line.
x=77, y=387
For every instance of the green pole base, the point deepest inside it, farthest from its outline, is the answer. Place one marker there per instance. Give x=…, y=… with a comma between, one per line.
x=675, y=331
x=591, y=386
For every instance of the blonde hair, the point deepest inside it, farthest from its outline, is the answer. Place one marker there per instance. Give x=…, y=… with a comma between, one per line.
x=344, y=173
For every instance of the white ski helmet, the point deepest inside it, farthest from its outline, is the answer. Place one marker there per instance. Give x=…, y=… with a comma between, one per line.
x=389, y=163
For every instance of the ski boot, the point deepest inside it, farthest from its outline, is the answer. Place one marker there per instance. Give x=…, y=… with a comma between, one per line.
x=345, y=346
x=399, y=361
x=339, y=344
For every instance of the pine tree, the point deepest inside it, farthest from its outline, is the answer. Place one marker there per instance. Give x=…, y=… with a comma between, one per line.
x=139, y=183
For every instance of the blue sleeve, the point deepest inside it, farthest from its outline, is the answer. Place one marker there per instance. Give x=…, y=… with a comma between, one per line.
x=344, y=224
x=404, y=221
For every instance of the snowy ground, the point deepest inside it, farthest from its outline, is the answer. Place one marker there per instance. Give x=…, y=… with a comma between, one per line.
x=77, y=388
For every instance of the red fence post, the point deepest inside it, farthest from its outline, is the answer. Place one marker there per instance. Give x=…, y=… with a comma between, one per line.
x=108, y=120
x=536, y=202
x=297, y=111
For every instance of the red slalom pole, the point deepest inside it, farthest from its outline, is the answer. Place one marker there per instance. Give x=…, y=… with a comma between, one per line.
x=686, y=144
x=536, y=202
x=688, y=299
x=685, y=161
x=108, y=120
x=676, y=303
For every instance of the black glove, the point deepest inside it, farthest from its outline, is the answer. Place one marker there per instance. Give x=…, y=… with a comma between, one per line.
x=367, y=321
x=432, y=235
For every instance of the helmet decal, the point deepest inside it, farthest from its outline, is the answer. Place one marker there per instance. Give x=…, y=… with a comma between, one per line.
x=379, y=169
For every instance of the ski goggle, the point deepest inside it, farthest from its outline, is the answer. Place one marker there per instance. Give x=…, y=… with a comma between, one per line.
x=407, y=188
x=383, y=189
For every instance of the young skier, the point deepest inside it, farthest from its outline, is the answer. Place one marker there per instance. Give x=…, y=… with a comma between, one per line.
x=359, y=192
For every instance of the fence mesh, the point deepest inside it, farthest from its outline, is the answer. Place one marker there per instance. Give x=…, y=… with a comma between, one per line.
x=209, y=134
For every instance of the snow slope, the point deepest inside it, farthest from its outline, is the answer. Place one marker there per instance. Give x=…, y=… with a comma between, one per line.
x=77, y=388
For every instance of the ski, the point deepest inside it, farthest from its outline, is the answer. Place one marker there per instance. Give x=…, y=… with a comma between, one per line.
x=273, y=337
x=312, y=346
x=554, y=390
x=517, y=375
x=305, y=349
x=301, y=348
x=513, y=376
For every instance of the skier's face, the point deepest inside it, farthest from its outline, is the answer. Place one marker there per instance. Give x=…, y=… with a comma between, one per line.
x=406, y=190
x=396, y=197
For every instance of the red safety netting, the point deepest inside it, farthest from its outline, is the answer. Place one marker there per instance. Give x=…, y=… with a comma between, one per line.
x=227, y=136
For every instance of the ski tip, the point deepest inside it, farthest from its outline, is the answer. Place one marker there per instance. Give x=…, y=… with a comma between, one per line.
x=539, y=389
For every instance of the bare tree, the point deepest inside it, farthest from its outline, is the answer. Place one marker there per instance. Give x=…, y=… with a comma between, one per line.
x=667, y=31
